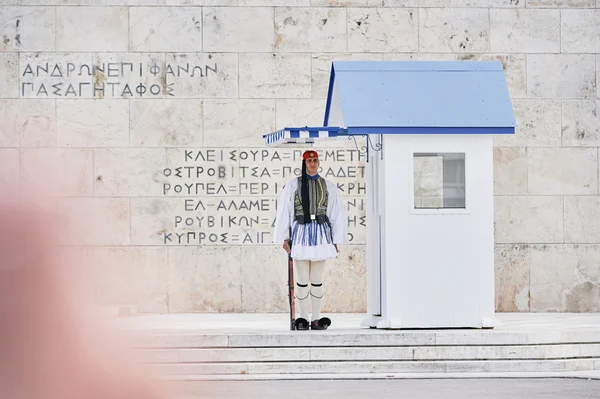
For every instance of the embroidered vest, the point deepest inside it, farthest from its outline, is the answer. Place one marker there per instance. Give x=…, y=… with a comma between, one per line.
x=318, y=195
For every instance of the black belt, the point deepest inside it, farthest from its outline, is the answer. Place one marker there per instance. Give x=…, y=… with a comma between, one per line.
x=321, y=219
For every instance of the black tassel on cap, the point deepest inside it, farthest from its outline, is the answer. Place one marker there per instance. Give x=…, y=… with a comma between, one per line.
x=305, y=196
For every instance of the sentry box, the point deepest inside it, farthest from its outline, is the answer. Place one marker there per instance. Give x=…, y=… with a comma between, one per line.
x=429, y=130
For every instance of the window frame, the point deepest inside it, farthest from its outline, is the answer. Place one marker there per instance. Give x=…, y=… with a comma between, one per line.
x=437, y=211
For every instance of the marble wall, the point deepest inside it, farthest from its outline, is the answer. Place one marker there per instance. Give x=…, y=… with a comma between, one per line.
x=145, y=118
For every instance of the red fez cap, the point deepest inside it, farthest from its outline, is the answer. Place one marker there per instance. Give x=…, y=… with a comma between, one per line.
x=309, y=154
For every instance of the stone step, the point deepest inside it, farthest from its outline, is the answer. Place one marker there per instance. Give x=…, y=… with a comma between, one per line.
x=361, y=338
x=188, y=381
x=190, y=371
x=380, y=353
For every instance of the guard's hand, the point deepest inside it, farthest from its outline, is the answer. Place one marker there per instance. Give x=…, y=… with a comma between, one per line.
x=286, y=246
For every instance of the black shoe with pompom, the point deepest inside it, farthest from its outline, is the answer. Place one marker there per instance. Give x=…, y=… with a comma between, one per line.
x=320, y=324
x=301, y=324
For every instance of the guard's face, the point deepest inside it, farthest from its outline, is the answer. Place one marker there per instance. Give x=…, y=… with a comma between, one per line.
x=312, y=166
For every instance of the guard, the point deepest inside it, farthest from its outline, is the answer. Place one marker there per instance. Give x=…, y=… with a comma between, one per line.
x=312, y=209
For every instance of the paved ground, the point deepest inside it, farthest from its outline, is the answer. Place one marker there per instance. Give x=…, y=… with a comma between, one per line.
x=394, y=389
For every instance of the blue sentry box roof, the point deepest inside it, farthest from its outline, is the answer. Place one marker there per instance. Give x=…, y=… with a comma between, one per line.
x=411, y=97
x=422, y=94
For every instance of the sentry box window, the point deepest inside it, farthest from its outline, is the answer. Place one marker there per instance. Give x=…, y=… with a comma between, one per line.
x=439, y=180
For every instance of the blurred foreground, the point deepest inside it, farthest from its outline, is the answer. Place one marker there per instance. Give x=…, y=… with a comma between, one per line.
x=53, y=345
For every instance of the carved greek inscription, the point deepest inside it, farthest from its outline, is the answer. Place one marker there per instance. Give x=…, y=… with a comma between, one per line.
x=230, y=196
x=107, y=79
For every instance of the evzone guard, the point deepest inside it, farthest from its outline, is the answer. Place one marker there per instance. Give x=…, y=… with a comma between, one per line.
x=310, y=224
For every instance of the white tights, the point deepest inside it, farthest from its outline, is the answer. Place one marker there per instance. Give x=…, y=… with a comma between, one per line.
x=309, y=282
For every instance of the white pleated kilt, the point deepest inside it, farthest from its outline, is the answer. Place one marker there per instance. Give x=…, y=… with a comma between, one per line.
x=312, y=241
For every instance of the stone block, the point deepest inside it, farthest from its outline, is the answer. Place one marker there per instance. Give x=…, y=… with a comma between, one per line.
x=237, y=29
x=202, y=75
x=198, y=369
x=473, y=3
x=102, y=2
x=580, y=31
x=175, y=340
x=471, y=338
x=344, y=283
x=222, y=221
x=584, y=297
x=152, y=218
x=528, y=219
x=514, y=70
x=206, y=166
x=130, y=75
x=419, y=57
x=274, y=3
x=576, y=175
x=356, y=3
x=310, y=29
x=581, y=123
x=241, y=355
x=9, y=170
x=299, y=112
x=57, y=75
x=454, y=30
x=92, y=123
x=168, y=29
x=335, y=339
x=492, y=366
x=512, y=268
x=383, y=30
x=525, y=31
x=361, y=354
x=275, y=76
x=564, y=278
x=571, y=76
x=27, y=123
x=125, y=172
x=219, y=3
x=237, y=123
x=94, y=28
x=321, y=69
x=57, y=171
x=337, y=367
x=598, y=69
x=131, y=276
x=264, y=279
x=581, y=216
x=27, y=29
x=510, y=170
x=538, y=124
x=560, y=3
x=95, y=221
x=205, y=279
x=9, y=75
x=166, y=123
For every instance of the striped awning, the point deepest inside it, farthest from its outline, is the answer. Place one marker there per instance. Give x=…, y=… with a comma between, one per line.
x=302, y=135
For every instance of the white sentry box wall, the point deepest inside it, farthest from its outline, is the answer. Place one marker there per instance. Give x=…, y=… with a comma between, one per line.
x=429, y=267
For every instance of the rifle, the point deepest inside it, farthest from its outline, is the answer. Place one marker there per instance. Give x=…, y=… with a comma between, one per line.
x=291, y=286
